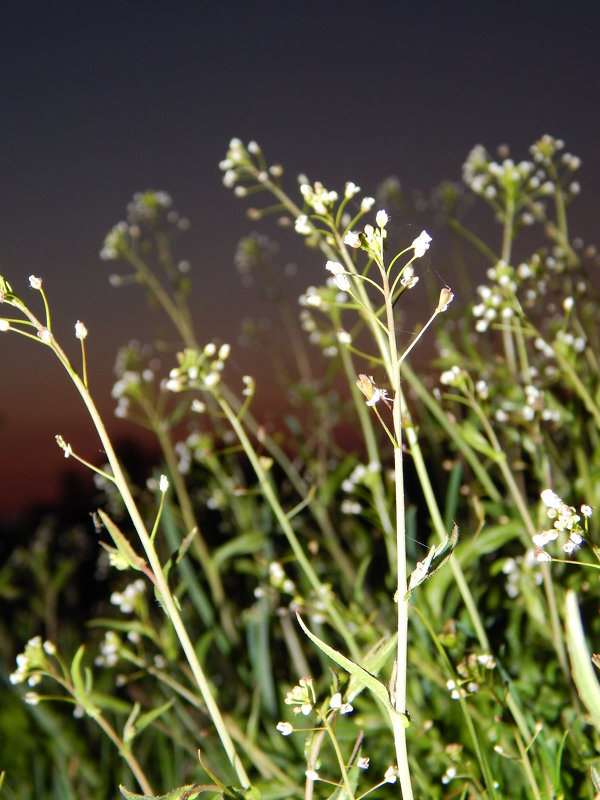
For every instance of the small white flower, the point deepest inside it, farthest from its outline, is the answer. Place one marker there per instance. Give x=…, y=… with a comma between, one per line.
x=312, y=775
x=339, y=275
x=542, y=539
x=285, y=728
x=541, y=555
x=391, y=774
x=586, y=510
x=381, y=218
x=367, y=204
x=352, y=239
x=551, y=499
x=80, y=330
x=163, y=484
x=4, y=324
x=302, y=225
x=35, y=283
x=363, y=762
x=421, y=244
x=336, y=700
x=351, y=189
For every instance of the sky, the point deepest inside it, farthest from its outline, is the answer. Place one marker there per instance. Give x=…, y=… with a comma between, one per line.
x=102, y=99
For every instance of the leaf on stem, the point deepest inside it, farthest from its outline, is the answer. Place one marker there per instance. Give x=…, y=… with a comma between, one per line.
x=189, y=792
x=361, y=675
x=128, y=555
x=584, y=678
x=434, y=560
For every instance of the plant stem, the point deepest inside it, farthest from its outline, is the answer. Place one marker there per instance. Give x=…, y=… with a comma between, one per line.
x=161, y=582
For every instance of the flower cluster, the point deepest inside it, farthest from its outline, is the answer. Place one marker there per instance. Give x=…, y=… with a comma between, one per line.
x=279, y=580
x=472, y=671
x=127, y=599
x=198, y=369
x=136, y=387
x=109, y=648
x=147, y=210
x=566, y=521
x=302, y=697
x=33, y=661
x=246, y=164
x=523, y=185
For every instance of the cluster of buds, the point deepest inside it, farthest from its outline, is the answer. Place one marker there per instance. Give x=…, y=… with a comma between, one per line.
x=566, y=521
x=198, y=369
x=150, y=209
x=32, y=663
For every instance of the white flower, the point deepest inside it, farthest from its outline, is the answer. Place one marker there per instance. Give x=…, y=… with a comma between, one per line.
x=352, y=239
x=163, y=484
x=586, y=510
x=367, y=204
x=339, y=275
x=336, y=700
x=35, y=283
x=363, y=762
x=551, y=499
x=382, y=219
x=302, y=225
x=80, y=330
x=421, y=244
x=351, y=189
x=378, y=394
x=390, y=774
x=542, y=539
x=4, y=324
x=285, y=728
x=541, y=555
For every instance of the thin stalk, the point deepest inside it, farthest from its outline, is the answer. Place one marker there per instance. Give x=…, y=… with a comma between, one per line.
x=159, y=578
x=269, y=494
x=125, y=753
x=190, y=523
x=399, y=729
x=180, y=321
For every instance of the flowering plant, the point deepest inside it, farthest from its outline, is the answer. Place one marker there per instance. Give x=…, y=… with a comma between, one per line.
x=307, y=616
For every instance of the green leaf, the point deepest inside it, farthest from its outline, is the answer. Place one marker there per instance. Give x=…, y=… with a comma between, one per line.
x=149, y=717
x=188, y=792
x=478, y=442
x=126, y=551
x=362, y=676
x=373, y=662
x=82, y=692
x=434, y=560
x=584, y=677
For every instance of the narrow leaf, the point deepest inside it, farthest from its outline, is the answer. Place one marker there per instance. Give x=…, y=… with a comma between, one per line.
x=581, y=662
x=189, y=792
x=126, y=551
x=362, y=676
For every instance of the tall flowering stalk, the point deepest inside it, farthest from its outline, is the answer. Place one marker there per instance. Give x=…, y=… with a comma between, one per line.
x=327, y=222
x=28, y=325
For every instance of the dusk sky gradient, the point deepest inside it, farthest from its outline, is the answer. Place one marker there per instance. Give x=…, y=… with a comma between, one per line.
x=102, y=99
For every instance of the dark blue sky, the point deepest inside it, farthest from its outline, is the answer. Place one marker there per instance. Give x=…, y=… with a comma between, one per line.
x=100, y=99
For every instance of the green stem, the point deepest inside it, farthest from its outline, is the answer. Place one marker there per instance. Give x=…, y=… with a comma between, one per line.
x=321, y=591
x=189, y=520
x=161, y=582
